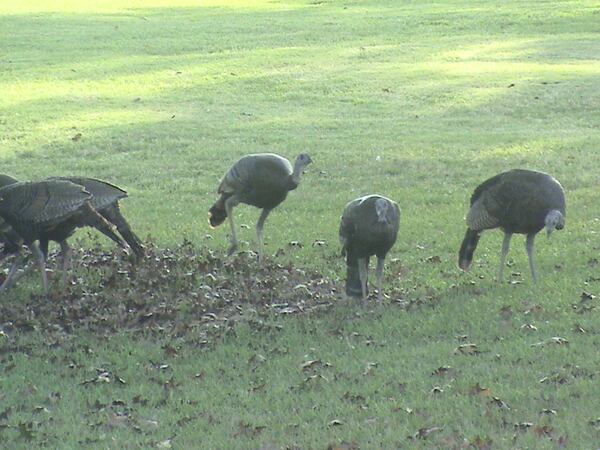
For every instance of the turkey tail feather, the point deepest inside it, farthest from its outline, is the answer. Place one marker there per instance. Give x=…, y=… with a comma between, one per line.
x=469, y=244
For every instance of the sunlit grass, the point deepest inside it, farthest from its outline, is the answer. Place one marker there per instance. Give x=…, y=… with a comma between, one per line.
x=133, y=6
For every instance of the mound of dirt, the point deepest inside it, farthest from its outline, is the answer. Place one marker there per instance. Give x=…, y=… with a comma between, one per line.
x=181, y=291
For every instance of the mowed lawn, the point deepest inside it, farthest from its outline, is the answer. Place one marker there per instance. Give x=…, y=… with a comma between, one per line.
x=416, y=100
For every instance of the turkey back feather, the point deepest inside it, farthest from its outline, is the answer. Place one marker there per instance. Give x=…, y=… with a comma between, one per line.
x=43, y=203
x=262, y=180
x=516, y=201
x=103, y=193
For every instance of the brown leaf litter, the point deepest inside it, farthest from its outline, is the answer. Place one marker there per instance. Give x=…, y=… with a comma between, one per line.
x=182, y=291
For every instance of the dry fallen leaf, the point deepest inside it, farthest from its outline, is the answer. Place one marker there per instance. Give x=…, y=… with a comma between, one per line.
x=528, y=327
x=164, y=444
x=585, y=296
x=369, y=368
x=310, y=364
x=423, y=433
x=478, y=390
x=595, y=422
x=442, y=370
x=522, y=426
x=257, y=359
x=500, y=403
x=553, y=340
x=467, y=349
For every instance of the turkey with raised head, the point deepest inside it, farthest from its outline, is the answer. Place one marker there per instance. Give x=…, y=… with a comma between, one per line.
x=262, y=180
x=369, y=226
x=50, y=209
x=518, y=201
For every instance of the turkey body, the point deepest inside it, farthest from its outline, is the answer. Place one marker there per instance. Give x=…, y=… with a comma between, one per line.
x=35, y=209
x=262, y=180
x=10, y=240
x=52, y=210
x=518, y=201
x=369, y=227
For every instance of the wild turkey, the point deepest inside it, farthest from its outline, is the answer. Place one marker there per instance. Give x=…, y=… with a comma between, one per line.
x=10, y=240
x=50, y=209
x=517, y=201
x=262, y=180
x=369, y=226
x=105, y=200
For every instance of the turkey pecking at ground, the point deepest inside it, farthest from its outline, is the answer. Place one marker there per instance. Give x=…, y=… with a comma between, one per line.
x=518, y=201
x=105, y=200
x=262, y=180
x=369, y=226
x=45, y=210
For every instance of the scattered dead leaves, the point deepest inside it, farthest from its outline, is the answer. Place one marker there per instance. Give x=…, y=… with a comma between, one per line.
x=187, y=291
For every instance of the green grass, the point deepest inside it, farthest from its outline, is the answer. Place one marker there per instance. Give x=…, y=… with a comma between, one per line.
x=419, y=101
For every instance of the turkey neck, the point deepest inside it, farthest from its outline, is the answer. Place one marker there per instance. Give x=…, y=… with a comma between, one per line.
x=295, y=178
